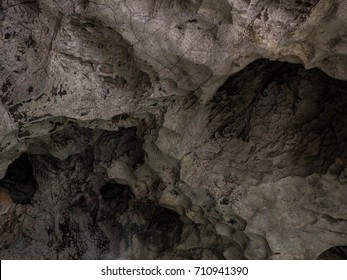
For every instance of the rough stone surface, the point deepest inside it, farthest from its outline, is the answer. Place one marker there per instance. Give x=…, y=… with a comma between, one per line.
x=173, y=129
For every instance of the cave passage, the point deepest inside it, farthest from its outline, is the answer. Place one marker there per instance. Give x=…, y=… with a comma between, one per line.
x=19, y=180
x=334, y=253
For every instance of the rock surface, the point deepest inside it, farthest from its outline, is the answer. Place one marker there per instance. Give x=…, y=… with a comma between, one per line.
x=173, y=129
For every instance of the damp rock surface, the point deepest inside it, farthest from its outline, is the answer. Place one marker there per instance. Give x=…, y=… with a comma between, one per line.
x=173, y=129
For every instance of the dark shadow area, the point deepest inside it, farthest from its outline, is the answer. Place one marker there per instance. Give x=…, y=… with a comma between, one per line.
x=116, y=200
x=334, y=253
x=113, y=191
x=158, y=229
x=288, y=120
x=123, y=145
x=19, y=180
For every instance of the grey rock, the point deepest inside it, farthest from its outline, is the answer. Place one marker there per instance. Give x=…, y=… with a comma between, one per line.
x=173, y=129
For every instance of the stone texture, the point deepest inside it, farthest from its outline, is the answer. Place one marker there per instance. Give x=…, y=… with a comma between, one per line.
x=173, y=129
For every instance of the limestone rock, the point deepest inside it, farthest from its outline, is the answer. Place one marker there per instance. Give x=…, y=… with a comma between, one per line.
x=173, y=129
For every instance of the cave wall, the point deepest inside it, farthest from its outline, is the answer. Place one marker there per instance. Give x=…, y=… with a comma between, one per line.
x=173, y=129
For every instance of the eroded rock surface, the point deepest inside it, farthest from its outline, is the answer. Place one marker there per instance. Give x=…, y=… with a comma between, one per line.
x=172, y=130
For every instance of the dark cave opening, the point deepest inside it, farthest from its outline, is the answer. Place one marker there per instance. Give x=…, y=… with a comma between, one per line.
x=114, y=190
x=164, y=219
x=158, y=228
x=19, y=180
x=334, y=253
x=279, y=110
x=116, y=200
